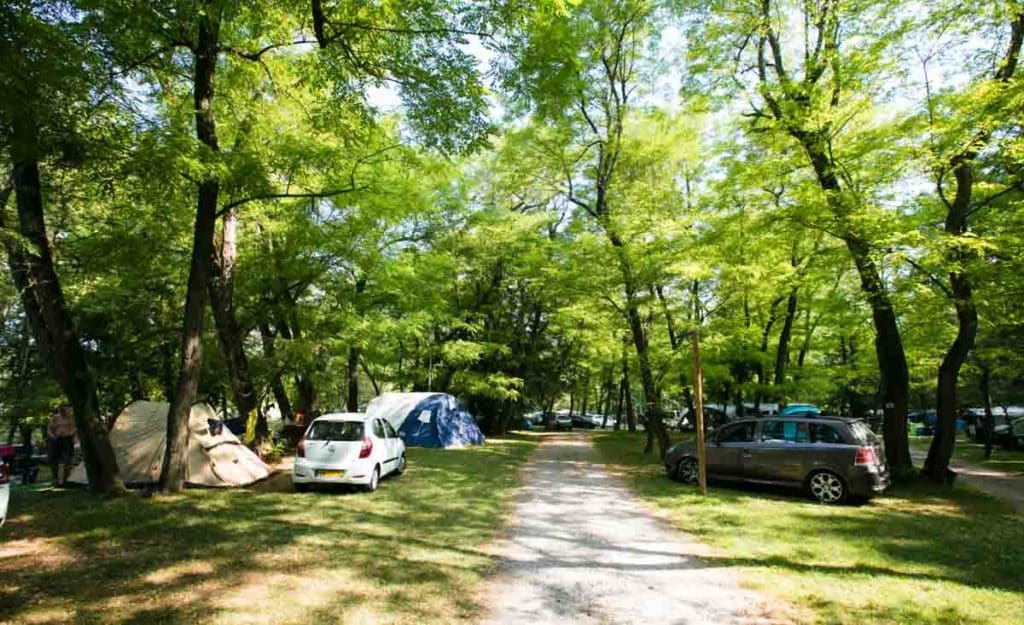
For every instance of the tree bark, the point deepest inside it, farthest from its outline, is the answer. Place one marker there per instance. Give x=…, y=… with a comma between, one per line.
x=230, y=337
x=352, y=373
x=988, y=427
x=782, y=353
x=284, y=405
x=49, y=318
x=618, y=407
x=653, y=411
x=894, y=381
x=791, y=108
x=172, y=475
x=936, y=466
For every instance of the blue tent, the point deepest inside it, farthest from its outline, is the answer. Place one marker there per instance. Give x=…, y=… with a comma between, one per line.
x=427, y=419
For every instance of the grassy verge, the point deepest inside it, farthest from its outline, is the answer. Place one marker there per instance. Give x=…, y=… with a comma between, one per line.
x=918, y=555
x=1009, y=460
x=410, y=553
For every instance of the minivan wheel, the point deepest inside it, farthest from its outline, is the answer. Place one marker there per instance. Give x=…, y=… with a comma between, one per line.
x=686, y=470
x=401, y=465
x=826, y=487
x=374, y=480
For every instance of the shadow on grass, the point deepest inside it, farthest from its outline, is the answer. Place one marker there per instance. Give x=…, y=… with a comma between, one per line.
x=852, y=564
x=408, y=551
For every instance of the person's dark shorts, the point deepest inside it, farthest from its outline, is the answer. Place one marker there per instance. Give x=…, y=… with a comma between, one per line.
x=61, y=449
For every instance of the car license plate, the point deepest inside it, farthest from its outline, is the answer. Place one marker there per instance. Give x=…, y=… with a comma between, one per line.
x=330, y=474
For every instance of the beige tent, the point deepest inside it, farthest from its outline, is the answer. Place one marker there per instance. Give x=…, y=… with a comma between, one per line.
x=215, y=457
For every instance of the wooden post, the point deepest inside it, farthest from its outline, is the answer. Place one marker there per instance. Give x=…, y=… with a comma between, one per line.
x=698, y=408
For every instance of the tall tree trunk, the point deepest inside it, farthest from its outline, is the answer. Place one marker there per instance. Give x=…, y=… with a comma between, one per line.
x=284, y=405
x=49, y=318
x=782, y=353
x=653, y=410
x=988, y=427
x=288, y=327
x=172, y=475
x=892, y=361
x=675, y=340
x=618, y=408
x=936, y=466
x=230, y=337
x=369, y=375
x=805, y=344
x=586, y=395
x=352, y=374
x=630, y=408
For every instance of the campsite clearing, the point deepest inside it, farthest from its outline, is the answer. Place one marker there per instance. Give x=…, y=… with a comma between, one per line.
x=413, y=552
x=919, y=554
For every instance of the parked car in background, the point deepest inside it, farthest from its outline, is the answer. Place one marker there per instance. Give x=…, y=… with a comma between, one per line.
x=715, y=416
x=599, y=420
x=1010, y=434
x=535, y=418
x=5, y=491
x=583, y=421
x=831, y=458
x=1007, y=429
x=559, y=421
x=347, y=448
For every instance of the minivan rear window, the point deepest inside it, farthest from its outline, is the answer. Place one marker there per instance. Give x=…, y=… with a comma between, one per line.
x=335, y=431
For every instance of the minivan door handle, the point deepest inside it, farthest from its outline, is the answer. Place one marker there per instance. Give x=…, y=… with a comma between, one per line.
x=747, y=453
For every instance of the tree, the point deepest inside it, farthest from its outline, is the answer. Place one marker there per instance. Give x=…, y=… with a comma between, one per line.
x=43, y=59
x=960, y=205
x=809, y=98
x=579, y=66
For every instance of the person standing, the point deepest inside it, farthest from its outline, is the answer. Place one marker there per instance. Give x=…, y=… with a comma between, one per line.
x=61, y=443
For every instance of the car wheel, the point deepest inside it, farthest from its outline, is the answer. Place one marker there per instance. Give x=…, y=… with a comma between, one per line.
x=401, y=465
x=686, y=471
x=374, y=480
x=826, y=487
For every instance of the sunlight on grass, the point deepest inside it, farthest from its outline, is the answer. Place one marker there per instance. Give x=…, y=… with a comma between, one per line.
x=413, y=552
x=1008, y=460
x=918, y=555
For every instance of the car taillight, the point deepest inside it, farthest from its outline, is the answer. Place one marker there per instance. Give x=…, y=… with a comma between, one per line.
x=300, y=449
x=364, y=451
x=3, y=473
x=866, y=456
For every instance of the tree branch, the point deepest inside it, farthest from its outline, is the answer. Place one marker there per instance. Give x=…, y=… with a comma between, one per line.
x=277, y=196
x=931, y=278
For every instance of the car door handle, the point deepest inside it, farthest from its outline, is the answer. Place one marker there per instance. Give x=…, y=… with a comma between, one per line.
x=747, y=453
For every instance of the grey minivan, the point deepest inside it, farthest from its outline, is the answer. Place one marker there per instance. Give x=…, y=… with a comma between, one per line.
x=832, y=458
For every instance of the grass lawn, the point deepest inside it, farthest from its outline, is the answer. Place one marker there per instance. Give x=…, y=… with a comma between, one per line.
x=1009, y=460
x=413, y=552
x=919, y=555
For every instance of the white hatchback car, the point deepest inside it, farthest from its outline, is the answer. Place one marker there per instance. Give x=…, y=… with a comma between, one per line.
x=348, y=448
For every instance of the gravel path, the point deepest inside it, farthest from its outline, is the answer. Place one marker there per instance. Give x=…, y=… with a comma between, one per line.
x=583, y=550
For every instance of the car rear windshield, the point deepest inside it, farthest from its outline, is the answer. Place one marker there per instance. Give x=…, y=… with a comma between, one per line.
x=335, y=431
x=863, y=433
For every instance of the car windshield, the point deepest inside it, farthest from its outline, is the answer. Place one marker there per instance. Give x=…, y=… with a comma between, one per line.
x=335, y=431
